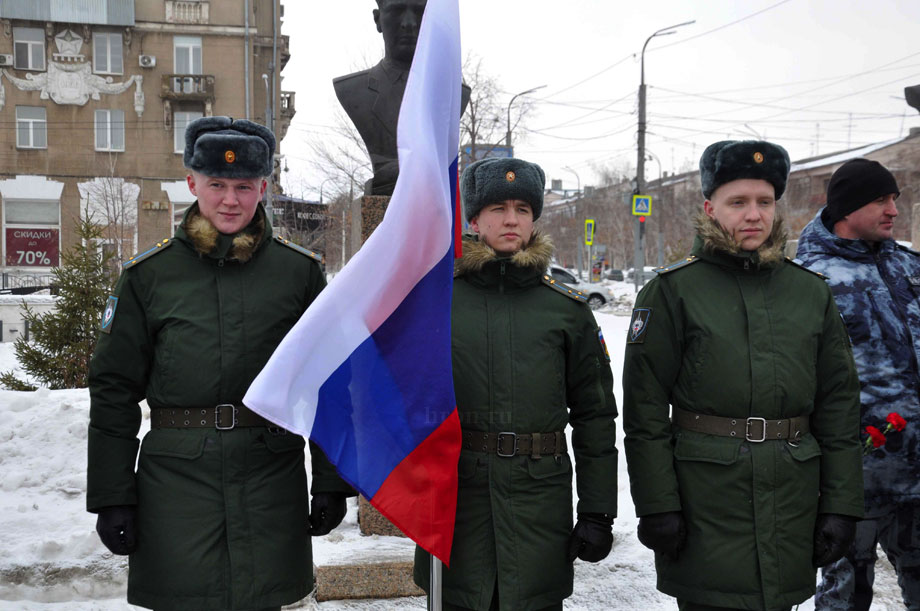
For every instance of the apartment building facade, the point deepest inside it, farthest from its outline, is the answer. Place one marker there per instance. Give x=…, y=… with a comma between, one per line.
x=94, y=99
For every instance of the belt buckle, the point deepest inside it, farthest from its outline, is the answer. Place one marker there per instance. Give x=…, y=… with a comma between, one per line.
x=217, y=418
x=498, y=445
x=763, y=434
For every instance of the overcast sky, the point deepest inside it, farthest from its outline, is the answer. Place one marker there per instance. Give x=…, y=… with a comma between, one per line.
x=815, y=76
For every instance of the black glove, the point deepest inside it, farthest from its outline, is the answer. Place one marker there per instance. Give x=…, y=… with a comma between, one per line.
x=116, y=528
x=664, y=533
x=834, y=535
x=592, y=537
x=326, y=512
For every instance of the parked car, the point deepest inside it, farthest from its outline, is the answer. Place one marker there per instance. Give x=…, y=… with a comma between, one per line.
x=598, y=294
x=648, y=273
x=616, y=275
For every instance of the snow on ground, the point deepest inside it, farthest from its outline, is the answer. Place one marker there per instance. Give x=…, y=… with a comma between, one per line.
x=51, y=559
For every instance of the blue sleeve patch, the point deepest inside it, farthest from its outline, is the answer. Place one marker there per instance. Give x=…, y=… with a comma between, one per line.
x=638, y=325
x=108, y=314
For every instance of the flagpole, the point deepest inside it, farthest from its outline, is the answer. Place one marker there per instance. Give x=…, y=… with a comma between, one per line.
x=434, y=590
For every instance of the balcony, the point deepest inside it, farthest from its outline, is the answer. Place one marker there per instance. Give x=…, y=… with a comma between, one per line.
x=287, y=112
x=187, y=87
x=287, y=105
x=187, y=11
x=284, y=51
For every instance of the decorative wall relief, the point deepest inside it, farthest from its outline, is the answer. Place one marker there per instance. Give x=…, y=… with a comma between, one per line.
x=70, y=79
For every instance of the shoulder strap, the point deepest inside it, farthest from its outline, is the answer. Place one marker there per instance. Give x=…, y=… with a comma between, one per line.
x=159, y=247
x=795, y=263
x=667, y=269
x=300, y=249
x=564, y=289
x=906, y=249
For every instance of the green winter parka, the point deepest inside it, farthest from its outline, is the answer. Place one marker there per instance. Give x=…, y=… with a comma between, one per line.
x=222, y=515
x=527, y=358
x=741, y=334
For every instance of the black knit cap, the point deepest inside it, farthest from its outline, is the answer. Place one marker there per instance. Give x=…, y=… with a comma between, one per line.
x=223, y=147
x=493, y=180
x=855, y=184
x=729, y=160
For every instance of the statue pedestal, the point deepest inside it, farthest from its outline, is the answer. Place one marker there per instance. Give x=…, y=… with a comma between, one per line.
x=372, y=209
x=371, y=522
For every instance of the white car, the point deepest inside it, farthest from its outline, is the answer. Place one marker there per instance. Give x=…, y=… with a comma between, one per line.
x=598, y=294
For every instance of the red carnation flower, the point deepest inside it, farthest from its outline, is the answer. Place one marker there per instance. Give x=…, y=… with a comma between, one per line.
x=896, y=422
x=878, y=439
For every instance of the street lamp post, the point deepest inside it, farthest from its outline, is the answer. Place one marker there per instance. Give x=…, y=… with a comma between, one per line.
x=323, y=184
x=508, y=133
x=577, y=179
x=640, y=165
x=271, y=177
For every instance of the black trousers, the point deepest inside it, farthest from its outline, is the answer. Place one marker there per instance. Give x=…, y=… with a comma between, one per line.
x=684, y=605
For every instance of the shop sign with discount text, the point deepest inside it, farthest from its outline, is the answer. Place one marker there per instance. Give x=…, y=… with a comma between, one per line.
x=32, y=247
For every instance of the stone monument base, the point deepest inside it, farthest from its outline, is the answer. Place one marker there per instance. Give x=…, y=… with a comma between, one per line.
x=372, y=522
x=372, y=209
x=366, y=580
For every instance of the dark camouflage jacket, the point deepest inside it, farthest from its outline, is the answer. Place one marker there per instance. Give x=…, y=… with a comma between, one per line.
x=877, y=293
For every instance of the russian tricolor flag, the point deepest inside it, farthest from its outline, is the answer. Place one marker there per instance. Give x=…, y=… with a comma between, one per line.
x=366, y=371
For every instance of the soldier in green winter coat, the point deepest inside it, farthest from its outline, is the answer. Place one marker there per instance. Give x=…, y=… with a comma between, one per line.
x=754, y=477
x=528, y=359
x=216, y=514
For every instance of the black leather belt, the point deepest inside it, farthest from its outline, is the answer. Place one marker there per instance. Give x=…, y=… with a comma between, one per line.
x=223, y=417
x=752, y=429
x=515, y=444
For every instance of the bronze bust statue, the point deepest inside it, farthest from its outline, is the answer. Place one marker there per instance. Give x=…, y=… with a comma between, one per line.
x=372, y=97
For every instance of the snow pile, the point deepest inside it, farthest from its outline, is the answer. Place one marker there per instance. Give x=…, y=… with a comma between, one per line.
x=50, y=550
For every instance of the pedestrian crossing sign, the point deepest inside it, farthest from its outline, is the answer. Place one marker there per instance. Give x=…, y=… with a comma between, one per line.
x=642, y=205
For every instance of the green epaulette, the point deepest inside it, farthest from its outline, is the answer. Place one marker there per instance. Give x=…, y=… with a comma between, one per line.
x=159, y=247
x=667, y=269
x=795, y=263
x=564, y=289
x=300, y=249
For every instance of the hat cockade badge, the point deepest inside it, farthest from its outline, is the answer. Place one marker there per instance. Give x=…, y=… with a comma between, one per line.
x=758, y=157
x=229, y=156
x=509, y=176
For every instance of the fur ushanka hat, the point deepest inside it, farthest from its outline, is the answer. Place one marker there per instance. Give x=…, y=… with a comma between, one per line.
x=226, y=148
x=729, y=160
x=496, y=179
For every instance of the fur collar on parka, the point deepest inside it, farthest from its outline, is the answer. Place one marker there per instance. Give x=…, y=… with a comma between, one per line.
x=476, y=254
x=204, y=236
x=715, y=239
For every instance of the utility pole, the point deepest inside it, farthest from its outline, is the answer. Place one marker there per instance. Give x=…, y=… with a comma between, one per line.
x=639, y=264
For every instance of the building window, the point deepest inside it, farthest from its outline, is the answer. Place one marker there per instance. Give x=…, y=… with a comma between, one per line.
x=31, y=127
x=186, y=60
x=180, y=122
x=107, y=55
x=110, y=130
x=28, y=49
